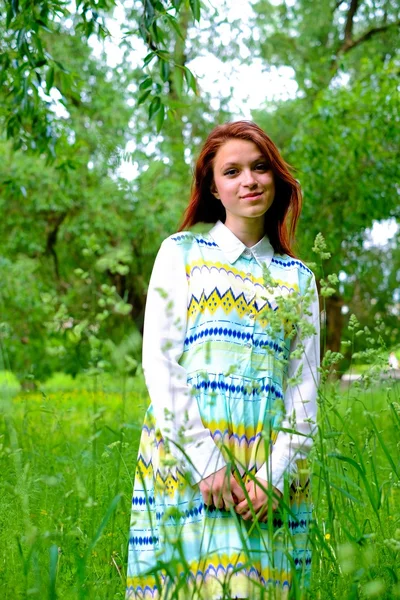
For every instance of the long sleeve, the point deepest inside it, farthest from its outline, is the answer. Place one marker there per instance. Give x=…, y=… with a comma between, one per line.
x=175, y=407
x=299, y=400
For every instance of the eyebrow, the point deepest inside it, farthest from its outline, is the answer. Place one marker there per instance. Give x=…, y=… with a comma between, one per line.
x=233, y=163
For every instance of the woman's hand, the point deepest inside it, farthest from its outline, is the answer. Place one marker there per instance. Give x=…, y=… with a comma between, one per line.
x=221, y=489
x=258, y=499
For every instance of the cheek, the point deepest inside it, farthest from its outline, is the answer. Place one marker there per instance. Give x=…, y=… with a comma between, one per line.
x=269, y=180
x=225, y=188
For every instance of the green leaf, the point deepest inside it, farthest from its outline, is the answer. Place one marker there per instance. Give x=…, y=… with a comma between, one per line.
x=146, y=83
x=143, y=97
x=9, y=17
x=163, y=54
x=160, y=116
x=346, y=494
x=53, y=571
x=113, y=505
x=177, y=78
x=148, y=58
x=190, y=80
x=154, y=107
x=195, y=8
x=383, y=445
x=143, y=31
x=164, y=70
x=49, y=78
x=174, y=24
x=43, y=25
x=61, y=66
x=21, y=38
x=149, y=9
x=36, y=41
x=155, y=32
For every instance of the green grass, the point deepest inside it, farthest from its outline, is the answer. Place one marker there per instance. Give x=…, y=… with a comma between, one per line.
x=66, y=462
x=67, y=458
x=357, y=493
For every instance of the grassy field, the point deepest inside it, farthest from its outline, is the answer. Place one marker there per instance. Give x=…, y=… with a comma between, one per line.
x=67, y=457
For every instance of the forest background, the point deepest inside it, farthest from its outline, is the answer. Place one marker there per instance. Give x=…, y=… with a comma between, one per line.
x=78, y=241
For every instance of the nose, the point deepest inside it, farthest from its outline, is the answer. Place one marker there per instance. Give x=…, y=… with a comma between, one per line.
x=248, y=178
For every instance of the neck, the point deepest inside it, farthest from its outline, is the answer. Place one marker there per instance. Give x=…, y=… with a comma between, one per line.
x=248, y=230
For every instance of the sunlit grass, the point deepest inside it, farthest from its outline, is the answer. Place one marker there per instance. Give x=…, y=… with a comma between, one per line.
x=67, y=460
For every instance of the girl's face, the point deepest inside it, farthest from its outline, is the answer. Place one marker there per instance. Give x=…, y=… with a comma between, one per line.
x=243, y=180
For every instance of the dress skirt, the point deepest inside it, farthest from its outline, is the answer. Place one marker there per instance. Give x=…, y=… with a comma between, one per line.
x=179, y=548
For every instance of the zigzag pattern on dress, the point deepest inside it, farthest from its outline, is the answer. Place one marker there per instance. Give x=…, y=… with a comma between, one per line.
x=227, y=301
x=170, y=481
x=191, y=236
x=233, y=334
x=215, y=431
x=290, y=262
x=173, y=479
x=197, y=510
x=199, y=266
x=267, y=388
x=220, y=571
x=218, y=433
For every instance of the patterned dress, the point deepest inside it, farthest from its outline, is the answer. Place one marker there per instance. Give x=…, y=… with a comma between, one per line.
x=217, y=364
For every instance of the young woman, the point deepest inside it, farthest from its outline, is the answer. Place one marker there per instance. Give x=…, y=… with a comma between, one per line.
x=221, y=505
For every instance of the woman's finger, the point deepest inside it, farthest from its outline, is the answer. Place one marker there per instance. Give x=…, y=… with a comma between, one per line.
x=228, y=500
x=241, y=507
x=207, y=497
x=247, y=516
x=218, y=500
x=263, y=514
x=236, y=490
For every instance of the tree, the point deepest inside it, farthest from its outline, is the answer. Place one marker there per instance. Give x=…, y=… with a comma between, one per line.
x=29, y=70
x=324, y=40
x=341, y=131
x=79, y=242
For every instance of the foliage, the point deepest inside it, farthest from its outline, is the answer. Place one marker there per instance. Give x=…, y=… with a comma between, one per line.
x=323, y=40
x=67, y=459
x=31, y=73
x=340, y=133
x=66, y=490
x=78, y=242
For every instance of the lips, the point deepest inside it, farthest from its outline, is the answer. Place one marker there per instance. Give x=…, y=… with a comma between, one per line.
x=252, y=195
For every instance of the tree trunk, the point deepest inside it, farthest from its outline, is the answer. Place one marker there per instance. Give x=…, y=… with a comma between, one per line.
x=334, y=322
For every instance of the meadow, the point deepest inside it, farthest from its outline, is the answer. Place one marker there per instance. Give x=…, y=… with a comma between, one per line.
x=67, y=459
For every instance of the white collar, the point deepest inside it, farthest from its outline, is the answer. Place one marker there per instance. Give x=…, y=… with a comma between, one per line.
x=232, y=247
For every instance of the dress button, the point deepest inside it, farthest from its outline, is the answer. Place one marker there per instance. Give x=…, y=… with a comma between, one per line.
x=248, y=274
x=251, y=316
x=248, y=345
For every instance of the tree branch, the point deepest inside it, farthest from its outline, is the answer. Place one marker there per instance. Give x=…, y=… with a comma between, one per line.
x=54, y=223
x=348, y=30
x=367, y=35
x=338, y=3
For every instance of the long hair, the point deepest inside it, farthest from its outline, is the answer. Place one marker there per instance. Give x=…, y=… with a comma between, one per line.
x=281, y=218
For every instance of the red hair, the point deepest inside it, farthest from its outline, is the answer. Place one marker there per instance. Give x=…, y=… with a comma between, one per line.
x=280, y=220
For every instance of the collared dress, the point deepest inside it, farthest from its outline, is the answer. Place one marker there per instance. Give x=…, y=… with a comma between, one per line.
x=232, y=379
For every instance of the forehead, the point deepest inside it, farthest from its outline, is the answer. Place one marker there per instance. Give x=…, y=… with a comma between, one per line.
x=237, y=151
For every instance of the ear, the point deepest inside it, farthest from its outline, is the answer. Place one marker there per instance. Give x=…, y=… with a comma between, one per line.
x=214, y=190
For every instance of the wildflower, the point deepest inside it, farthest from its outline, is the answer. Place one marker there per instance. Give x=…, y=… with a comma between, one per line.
x=327, y=536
